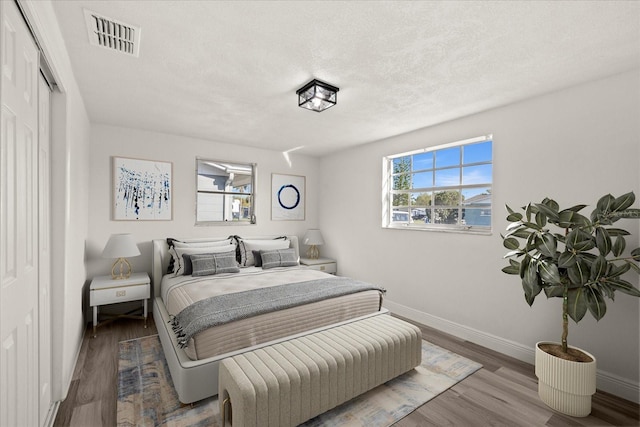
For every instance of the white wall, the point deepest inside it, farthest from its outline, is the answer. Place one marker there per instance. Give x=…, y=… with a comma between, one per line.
x=69, y=194
x=108, y=141
x=574, y=146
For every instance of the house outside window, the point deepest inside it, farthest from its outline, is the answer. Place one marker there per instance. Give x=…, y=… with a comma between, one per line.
x=444, y=188
x=225, y=192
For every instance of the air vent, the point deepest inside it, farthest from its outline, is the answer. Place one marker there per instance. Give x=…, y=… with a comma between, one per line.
x=112, y=34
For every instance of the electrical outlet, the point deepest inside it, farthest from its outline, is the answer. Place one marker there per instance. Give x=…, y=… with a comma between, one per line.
x=121, y=293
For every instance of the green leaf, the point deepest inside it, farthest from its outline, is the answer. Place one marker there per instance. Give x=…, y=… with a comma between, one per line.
x=628, y=213
x=511, y=243
x=577, y=304
x=511, y=270
x=618, y=246
x=595, y=302
x=579, y=272
x=566, y=259
x=514, y=217
x=547, y=211
x=549, y=272
x=624, y=287
x=527, y=211
x=521, y=233
x=598, y=268
x=514, y=225
x=546, y=244
x=618, y=270
x=541, y=219
x=572, y=219
x=634, y=266
x=623, y=202
x=509, y=209
x=578, y=240
x=554, y=291
x=531, y=290
x=608, y=290
x=551, y=204
x=530, y=278
x=603, y=241
x=533, y=225
x=524, y=265
x=636, y=254
x=576, y=208
x=605, y=202
x=513, y=253
x=613, y=232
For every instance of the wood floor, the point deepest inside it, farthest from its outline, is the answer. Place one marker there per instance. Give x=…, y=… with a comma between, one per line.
x=503, y=393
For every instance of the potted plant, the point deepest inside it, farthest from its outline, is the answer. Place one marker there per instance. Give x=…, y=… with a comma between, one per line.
x=581, y=260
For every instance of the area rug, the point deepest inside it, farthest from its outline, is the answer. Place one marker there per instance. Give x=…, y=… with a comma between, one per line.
x=146, y=396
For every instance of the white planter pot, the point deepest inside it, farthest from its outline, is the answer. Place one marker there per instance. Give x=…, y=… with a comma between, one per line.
x=564, y=385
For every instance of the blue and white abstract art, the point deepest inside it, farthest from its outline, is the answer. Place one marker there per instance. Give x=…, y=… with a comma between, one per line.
x=142, y=189
x=287, y=197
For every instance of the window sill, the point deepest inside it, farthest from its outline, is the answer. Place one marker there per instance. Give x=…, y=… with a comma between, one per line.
x=476, y=231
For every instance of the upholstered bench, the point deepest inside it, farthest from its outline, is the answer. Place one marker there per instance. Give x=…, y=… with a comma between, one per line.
x=288, y=383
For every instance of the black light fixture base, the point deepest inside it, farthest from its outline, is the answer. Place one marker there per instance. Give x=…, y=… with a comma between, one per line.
x=317, y=96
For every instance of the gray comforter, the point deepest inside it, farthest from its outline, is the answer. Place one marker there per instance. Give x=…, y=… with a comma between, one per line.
x=227, y=308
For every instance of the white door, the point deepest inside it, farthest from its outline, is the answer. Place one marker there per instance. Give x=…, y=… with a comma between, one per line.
x=44, y=233
x=19, y=265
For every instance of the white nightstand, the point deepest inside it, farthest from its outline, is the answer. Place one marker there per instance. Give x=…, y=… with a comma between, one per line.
x=105, y=290
x=323, y=264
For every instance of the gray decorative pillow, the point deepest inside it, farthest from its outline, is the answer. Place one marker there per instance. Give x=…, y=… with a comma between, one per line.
x=209, y=264
x=279, y=258
x=246, y=248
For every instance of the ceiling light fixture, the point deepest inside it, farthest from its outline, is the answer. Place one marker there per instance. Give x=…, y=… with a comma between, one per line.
x=317, y=96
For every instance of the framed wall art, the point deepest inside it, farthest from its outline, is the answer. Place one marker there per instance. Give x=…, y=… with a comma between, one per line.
x=141, y=189
x=287, y=197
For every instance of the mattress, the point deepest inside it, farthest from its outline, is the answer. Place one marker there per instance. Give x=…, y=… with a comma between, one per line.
x=181, y=291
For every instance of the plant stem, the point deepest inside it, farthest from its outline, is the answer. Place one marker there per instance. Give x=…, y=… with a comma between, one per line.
x=565, y=318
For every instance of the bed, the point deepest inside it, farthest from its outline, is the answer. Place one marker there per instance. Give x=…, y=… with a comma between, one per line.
x=193, y=354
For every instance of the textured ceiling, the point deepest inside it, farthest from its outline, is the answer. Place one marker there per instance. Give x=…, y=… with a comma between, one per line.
x=228, y=71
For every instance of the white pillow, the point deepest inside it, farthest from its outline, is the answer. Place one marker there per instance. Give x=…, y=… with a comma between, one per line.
x=248, y=246
x=179, y=270
x=178, y=244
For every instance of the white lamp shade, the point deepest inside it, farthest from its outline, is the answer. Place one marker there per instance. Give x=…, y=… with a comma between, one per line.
x=313, y=237
x=120, y=246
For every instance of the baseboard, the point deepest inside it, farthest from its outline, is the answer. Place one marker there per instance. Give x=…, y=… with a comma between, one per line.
x=608, y=382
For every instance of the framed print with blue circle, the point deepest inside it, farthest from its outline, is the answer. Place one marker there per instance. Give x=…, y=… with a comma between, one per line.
x=287, y=197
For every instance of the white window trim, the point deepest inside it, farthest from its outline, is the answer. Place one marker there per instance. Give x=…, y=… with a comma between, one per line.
x=387, y=182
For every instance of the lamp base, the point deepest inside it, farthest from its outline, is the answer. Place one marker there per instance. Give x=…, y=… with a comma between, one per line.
x=313, y=252
x=123, y=267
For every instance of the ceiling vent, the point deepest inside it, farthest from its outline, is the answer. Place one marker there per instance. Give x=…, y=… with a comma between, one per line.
x=112, y=34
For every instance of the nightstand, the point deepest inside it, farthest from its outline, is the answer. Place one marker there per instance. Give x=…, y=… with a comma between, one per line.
x=323, y=264
x=105, y=290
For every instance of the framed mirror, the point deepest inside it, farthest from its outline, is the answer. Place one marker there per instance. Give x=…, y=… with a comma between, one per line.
x=225, y=192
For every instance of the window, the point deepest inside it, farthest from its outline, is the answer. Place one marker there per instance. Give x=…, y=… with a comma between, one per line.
x=225, y=192
x=443, y=188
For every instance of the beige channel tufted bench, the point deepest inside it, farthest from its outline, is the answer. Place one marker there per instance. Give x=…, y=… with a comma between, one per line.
x=288, y=383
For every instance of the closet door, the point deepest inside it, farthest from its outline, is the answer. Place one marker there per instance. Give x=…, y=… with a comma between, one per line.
x=19, y=264
x=44, y=243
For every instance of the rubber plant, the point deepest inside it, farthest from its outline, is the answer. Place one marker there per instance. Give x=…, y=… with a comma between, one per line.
x=570, y=256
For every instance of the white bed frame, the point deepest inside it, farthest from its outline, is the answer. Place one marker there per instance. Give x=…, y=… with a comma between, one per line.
x=198, y=379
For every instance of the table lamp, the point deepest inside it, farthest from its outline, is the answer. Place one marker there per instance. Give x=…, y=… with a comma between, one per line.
x=120, y=246
x=313, y=238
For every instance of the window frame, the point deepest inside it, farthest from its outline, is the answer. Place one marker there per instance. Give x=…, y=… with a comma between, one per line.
x=251, y=194
x=390, y=175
